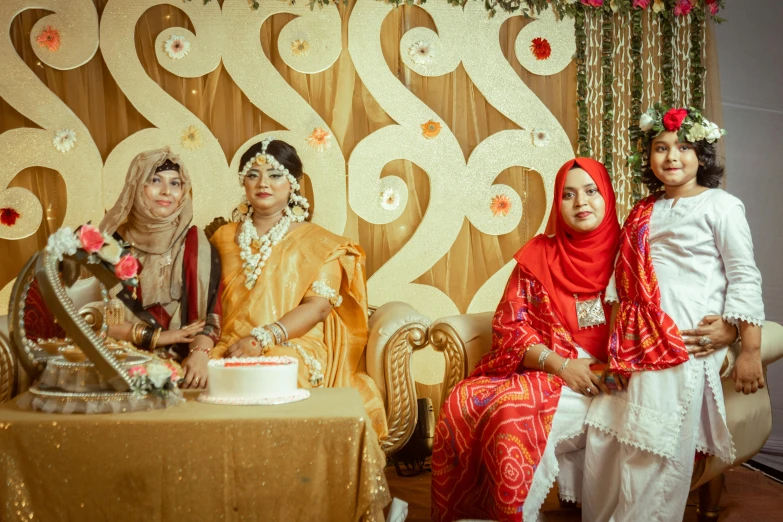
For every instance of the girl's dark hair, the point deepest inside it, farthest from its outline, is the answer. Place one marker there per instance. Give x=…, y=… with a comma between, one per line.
x=709, y=174
x=282, y=151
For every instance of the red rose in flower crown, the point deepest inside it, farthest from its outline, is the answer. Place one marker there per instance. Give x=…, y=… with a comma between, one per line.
x=672, y=120
x=91, y=238
x=127, y=268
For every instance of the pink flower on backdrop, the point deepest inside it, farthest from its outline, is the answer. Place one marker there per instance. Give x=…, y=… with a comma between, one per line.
x=672, y=120
x=641, y=4
x=713, y=5
x=682, y=7
x=127, y=268
x=91, y=238
x=593, y=3
x=137, y=371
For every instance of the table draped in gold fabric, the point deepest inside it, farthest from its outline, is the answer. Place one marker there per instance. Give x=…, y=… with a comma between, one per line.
x=307, y=254
x=318, y=459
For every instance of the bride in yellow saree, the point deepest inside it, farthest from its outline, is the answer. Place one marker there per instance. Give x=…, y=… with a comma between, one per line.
x=291, y=287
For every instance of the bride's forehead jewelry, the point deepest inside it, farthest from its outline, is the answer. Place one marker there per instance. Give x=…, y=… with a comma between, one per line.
x=262, y=158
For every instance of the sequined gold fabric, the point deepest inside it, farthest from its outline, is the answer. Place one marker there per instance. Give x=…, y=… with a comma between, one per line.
x=317, y=460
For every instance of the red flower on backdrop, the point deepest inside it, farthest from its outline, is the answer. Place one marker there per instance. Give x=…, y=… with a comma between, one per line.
x=641, y=4
x=682, y=7
x=49, y=38
x=541, y=48
x=593, y=3
x=672, y=120
x=713, y=5
x=8, y=216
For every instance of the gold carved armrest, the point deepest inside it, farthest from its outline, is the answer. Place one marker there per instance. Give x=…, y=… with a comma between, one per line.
x=8, y=368
x=396, y=331
x=463, y=339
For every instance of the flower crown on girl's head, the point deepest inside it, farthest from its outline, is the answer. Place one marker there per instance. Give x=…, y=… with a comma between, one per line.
x=688, y=123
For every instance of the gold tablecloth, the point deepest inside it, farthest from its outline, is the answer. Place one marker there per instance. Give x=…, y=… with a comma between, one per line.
x=315, y=460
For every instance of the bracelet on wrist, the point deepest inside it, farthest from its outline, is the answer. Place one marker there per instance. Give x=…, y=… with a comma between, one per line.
x=563, y=367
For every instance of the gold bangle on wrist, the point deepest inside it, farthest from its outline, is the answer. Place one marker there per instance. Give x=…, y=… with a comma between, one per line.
x=155, y=336
x=562, y=367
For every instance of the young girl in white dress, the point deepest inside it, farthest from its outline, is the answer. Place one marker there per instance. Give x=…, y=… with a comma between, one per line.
x=694, y=238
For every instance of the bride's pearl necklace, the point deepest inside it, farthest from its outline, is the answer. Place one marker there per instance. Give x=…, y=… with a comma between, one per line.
x=248, y=239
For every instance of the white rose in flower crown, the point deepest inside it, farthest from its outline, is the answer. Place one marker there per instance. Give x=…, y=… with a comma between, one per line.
x=713, y=131
x=697, y=132
x=158, y=374
x=647, y=120
x=110, y=251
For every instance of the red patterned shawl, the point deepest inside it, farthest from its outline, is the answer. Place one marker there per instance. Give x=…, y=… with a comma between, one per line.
x=644, y=337
x=494, y=426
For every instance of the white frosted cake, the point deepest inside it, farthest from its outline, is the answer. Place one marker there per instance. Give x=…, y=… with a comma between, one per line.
x=253, y=380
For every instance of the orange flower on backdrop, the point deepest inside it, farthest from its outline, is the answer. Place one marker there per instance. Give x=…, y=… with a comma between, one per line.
x=430, y=129
x=541, y=48
x=501, y=205
x=320, y=139
x=49, y=38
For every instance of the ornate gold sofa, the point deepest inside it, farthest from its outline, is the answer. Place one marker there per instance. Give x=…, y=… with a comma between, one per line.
x=396, y=329
x=463, y=339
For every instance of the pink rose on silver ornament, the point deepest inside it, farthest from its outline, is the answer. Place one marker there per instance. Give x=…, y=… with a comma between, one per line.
x=127, y=268
x=91, y=238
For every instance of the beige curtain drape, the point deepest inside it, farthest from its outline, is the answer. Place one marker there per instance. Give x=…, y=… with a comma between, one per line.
x=339, y=97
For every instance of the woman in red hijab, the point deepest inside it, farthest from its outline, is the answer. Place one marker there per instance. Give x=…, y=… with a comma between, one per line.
x=512, y=428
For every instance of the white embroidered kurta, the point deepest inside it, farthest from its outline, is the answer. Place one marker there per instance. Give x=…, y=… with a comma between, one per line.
x=702, y=253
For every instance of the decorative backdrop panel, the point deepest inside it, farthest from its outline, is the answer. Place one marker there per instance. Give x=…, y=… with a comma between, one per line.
x=430, y=134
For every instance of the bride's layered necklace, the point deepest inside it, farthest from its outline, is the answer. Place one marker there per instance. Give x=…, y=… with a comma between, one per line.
x=249, y=239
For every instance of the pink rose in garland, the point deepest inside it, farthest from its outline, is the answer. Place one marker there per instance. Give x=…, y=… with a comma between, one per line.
x=137, y=371
x=713, y=5
x=682, y=7
x=127, y=268
x=593, y=3
x=672, y=120
x=641, y=4
x=91, y=238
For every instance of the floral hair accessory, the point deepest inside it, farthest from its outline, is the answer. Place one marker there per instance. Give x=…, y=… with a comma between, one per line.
x=689, y=124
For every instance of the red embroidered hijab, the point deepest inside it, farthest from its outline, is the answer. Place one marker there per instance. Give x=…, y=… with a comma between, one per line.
x=574, y=262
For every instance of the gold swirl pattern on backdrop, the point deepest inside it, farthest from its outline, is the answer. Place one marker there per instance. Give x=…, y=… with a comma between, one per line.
x=320, y=29
x=214, y=187
x=77, y=24
x=311, y=43
x=459, y=188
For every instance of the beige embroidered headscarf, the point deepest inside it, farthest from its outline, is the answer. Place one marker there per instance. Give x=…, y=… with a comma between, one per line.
x=157, y=241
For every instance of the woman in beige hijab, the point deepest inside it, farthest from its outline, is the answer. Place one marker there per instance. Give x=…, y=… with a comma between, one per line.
x=175, y=311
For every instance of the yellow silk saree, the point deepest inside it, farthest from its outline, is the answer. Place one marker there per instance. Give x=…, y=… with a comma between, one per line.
x=307, y=260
